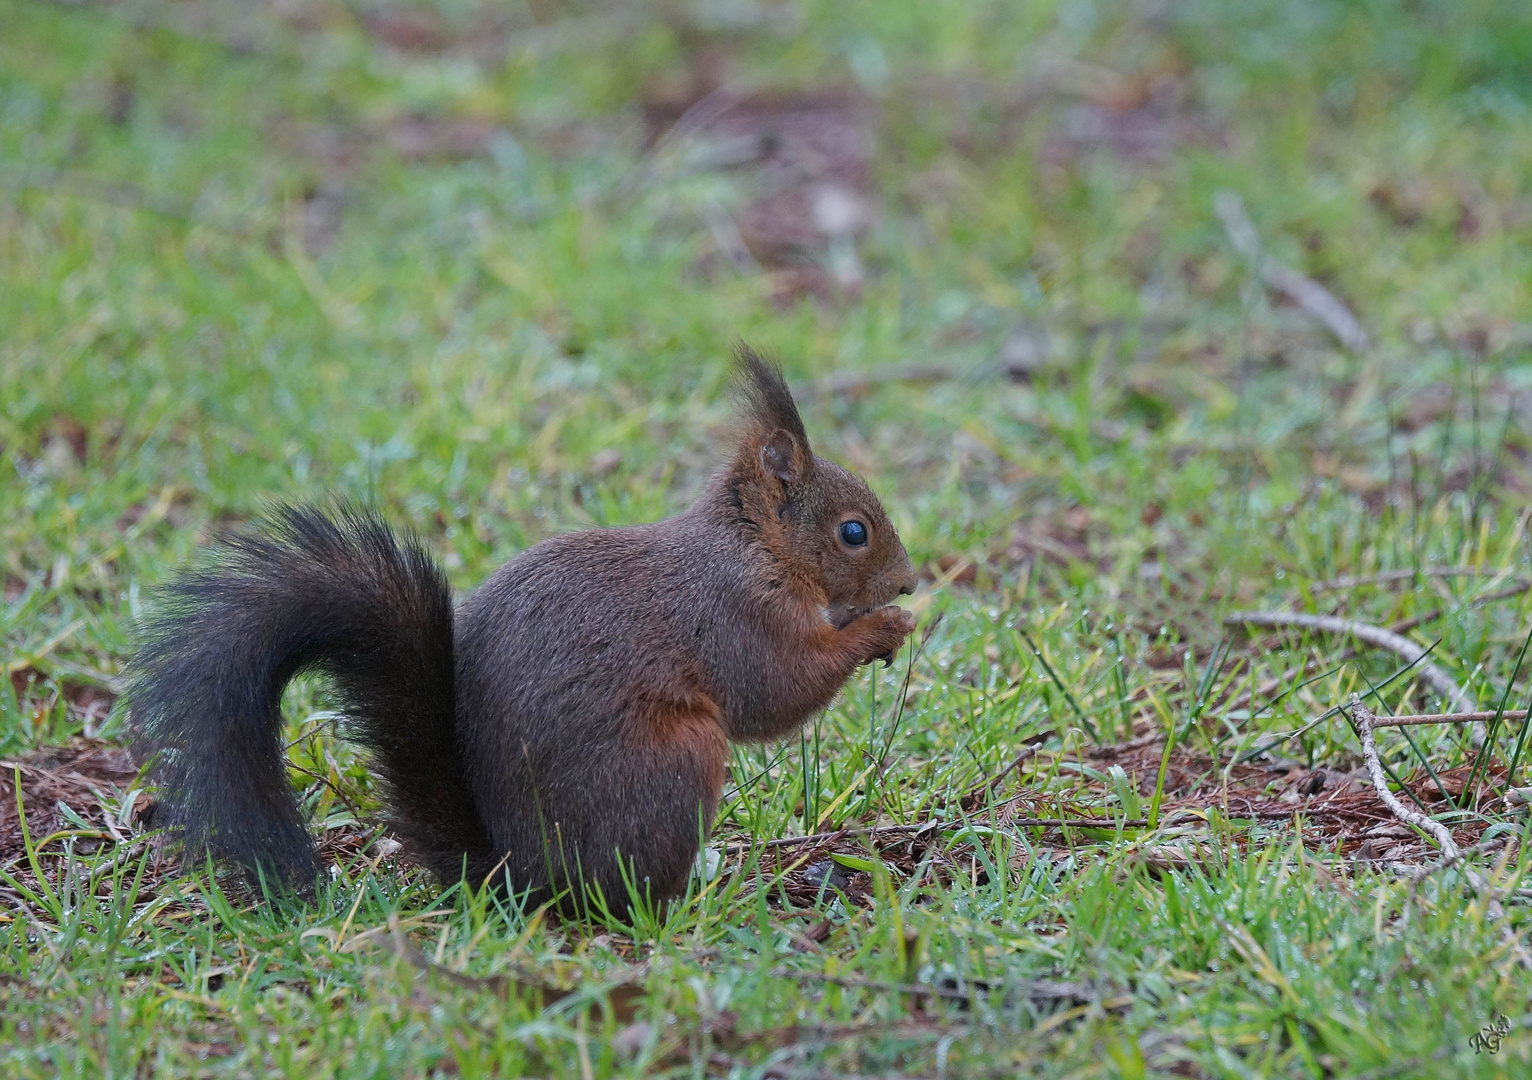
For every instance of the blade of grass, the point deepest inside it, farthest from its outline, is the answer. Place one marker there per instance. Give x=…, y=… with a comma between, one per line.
x=52, y=901
x=1481, y=759
x=1041, y=659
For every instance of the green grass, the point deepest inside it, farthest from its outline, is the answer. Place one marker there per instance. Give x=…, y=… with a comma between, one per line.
x=227, y=276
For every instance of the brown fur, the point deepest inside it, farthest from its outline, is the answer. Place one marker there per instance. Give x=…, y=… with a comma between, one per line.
x=596, y=677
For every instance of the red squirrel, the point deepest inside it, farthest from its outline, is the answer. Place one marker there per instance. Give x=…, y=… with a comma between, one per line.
x=564, y=733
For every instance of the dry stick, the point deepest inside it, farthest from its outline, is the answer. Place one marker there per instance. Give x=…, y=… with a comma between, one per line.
x=1521, y=586
x=1388, y=576
x=1021, y=823
x=990, y=784
x=1457, y=698
x=1308, y=294
x=698, y=116
x=1364, y=720
x=1411, y=623
x=882, y=830
x=1417, y=876
x=1409, y=719
x=1248, y=698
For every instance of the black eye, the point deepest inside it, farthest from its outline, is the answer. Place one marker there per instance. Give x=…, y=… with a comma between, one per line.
x=854, y=533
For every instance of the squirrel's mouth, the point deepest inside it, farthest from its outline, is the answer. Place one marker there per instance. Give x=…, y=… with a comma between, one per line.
x=841, y=616
x=842, y=613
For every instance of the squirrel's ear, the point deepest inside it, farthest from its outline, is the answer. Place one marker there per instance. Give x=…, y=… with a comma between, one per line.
x=782, y=458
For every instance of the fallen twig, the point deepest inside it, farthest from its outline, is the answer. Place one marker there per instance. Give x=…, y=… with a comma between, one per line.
x=855, y=382
x=986, y=787
x=1364, y=720
x=1320, y=304
x=1406, y=625
x=1457, y=698
x=1493, y=909
x=1410, y=719
x=1386, y=577
x=1020, y=823
x=1417, y=876
x=1310, y=666
x=698, y=116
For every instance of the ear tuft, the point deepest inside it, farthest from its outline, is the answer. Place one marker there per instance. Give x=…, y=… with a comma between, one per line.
x=765, y=400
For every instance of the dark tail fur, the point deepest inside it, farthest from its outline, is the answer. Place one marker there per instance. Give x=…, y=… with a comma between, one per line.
x=336, y=594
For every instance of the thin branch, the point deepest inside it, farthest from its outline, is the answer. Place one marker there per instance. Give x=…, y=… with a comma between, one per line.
x=1457, y=699
x=1364, y=720
x=987, y=786
x=1387, y=577
x=856, y=382
x=699, y=115
x=1410, y=719
x=1019, y=823
x=1317, y=301
x=1420, y=875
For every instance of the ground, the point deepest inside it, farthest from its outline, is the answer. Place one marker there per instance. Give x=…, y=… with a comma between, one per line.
x=1031, y=269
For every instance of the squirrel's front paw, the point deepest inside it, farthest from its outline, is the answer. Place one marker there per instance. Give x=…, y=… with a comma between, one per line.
x=886, y=628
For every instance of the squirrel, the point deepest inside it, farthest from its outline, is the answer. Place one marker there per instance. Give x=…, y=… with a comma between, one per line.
x=564, y=732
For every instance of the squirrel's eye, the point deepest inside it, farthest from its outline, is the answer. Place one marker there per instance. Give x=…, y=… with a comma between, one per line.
x=854, y=533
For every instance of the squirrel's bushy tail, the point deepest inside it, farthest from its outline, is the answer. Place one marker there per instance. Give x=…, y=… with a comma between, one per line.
x=334, y=593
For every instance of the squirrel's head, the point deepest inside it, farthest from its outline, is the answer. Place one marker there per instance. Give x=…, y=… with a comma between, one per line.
x=822, y=523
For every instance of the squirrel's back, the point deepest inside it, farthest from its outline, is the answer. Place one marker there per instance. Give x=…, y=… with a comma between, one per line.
x=585, y=702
